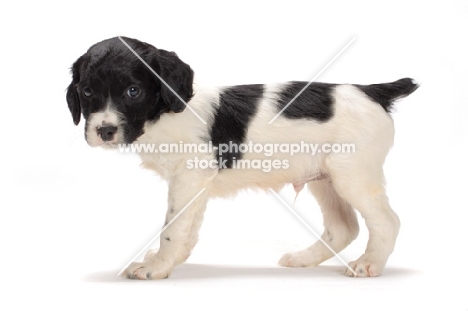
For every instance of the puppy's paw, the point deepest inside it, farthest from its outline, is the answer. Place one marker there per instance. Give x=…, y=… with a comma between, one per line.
x=366, y=266
x=304, y=258
x=152, y=269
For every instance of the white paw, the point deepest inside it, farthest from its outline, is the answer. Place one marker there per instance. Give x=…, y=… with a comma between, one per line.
x=305, y=258
x=151, y=269
x=366, y=266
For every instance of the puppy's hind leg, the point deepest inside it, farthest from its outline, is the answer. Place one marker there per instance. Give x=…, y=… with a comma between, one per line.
x=362, y=185
x=340, y=222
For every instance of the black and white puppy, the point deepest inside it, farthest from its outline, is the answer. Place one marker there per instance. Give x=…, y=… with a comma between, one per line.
x=124, y=102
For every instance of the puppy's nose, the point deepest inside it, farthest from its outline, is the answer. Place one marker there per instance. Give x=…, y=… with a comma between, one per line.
x=107, y=132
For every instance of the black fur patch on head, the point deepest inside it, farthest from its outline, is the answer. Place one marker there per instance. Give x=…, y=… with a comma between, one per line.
x=109, y=69
x=314, y=103
x=386, y=93
x=237, y=105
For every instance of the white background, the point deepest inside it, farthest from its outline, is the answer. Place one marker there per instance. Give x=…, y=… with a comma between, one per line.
x=72, y=216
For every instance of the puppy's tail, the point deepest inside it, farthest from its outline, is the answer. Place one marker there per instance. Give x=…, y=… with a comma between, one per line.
x=386, y=93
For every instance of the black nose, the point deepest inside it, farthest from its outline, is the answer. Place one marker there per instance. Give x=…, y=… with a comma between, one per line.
x=107, y=132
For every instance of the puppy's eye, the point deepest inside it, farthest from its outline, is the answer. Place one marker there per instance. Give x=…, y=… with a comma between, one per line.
x=133, y=91
x=87, y=92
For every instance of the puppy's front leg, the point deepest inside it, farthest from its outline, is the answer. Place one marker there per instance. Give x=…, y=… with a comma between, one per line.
x=188, y=194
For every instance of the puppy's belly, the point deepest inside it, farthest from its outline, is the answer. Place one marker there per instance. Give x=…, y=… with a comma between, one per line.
x=262, y=175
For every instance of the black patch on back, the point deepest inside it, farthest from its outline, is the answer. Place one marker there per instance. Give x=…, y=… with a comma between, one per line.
x=386, y=93
x=314, y=103
x=237, y=105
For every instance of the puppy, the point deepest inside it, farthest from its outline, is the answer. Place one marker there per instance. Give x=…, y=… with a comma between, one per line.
x=132, y=94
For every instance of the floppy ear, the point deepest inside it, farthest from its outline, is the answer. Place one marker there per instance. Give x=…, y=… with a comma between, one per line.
x=72, y=94
x=179, y=76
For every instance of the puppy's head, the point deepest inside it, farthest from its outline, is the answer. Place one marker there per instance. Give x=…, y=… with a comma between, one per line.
x=117, y=93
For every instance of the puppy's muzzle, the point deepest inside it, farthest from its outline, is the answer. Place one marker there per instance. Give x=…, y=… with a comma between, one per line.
x=107, y=132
